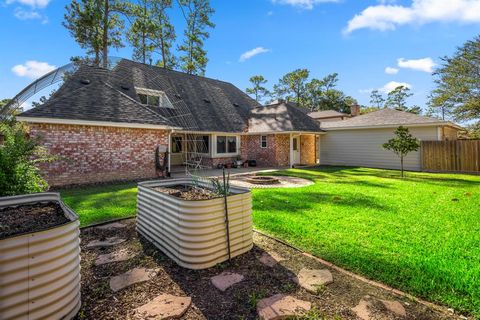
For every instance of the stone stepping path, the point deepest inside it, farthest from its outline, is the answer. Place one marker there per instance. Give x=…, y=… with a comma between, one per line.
x=311, y=280
x=225, y=280
x=111, y=226
x=108, y=242
x=164, y=306
x=131, y=277
x=270, y=259
x=367, y=308
x=117, y=256
x=281, y=306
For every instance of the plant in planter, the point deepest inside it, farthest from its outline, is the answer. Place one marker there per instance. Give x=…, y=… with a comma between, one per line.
x=196, y=225
x=39, y=258
x=239, y=162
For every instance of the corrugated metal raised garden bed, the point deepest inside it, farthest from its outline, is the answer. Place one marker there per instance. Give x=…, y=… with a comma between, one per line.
x=194, y=232
x=39, y=258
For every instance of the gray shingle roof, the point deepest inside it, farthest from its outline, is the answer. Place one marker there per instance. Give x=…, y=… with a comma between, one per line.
x=327, y=114
x=281, y=117
x=383, y=117
x=212, y=104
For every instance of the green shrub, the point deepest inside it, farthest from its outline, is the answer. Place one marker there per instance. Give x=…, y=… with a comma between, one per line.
x=18, y=155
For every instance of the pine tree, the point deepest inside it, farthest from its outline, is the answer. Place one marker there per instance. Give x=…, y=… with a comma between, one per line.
x=258, y=90
x=197, y=17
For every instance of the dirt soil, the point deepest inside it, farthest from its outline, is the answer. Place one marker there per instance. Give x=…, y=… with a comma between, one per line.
x=186, y=192
x=334, y=301
x=29, y=218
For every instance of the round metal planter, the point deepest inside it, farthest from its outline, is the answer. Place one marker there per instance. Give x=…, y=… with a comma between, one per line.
x=193, y=232
x=40, y=271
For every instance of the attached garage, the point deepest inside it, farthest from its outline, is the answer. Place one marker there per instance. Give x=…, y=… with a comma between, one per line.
x=358, y=141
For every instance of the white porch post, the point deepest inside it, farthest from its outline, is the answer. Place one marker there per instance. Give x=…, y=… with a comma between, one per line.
x=291, y=151
x=169, y=151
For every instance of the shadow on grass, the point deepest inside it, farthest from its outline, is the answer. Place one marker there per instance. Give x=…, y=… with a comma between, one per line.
x=285, y=201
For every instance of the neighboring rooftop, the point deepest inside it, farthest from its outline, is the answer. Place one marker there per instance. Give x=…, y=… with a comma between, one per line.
x=327, y=114
x=382, y=117
x=281, y=116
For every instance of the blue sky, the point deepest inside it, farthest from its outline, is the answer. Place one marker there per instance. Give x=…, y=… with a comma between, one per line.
x=356, y=39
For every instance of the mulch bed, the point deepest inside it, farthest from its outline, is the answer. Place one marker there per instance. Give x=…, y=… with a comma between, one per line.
x=334, y=301
x=29, y=218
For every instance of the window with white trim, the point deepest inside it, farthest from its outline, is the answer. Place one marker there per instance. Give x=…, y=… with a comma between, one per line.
x=227, y=144
x=263, y=141
x=153, y=98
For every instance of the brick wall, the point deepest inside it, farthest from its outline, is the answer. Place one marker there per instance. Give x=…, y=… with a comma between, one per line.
x=307, y=149
x=276, y=154
x=91, y=154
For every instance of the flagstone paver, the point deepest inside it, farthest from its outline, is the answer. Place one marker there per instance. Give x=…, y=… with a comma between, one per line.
x=311, y=280
x=225, y=280
x=117, y=256
x=133, y=276
x=270, y=259
x=281, y=306
x=164, y=306
x=108, y=242
x=111, y=226
x=366, y=310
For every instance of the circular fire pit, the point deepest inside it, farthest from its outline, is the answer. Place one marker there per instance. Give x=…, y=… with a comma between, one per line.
x=262, y=180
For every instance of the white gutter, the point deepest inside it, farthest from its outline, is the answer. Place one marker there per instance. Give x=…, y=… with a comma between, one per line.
x=94, y=123
x=428, y=124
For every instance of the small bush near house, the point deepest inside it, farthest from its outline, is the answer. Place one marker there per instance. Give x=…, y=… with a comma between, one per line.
x=18, y=155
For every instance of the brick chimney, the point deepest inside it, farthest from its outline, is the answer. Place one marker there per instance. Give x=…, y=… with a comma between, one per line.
x=355, y=110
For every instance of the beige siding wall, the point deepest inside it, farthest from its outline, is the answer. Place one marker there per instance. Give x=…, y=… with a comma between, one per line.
x=363, y=147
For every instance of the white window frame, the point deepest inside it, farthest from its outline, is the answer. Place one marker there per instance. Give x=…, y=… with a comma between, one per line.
x=215, y=154
x=163, y=101
x=261, y=141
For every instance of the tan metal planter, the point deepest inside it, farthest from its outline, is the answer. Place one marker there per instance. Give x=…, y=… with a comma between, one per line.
x=193, y=233
x=40, y=271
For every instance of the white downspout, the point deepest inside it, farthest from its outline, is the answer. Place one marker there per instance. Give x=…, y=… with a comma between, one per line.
x=291, y=151
x=169, y=151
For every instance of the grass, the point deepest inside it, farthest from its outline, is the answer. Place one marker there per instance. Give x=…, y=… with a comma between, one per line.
x=102, y=203
x=420, y=234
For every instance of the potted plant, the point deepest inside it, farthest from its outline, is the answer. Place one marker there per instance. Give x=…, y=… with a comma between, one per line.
x=196, y=222
x=39, y=258
x=239, y=162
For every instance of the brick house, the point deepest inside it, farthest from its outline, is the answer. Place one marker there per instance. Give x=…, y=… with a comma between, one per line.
x=106, y=124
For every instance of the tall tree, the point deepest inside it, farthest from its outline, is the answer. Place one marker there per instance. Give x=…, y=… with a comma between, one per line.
x=258, y=90
x=142, y=31
x=96, y=25
x=402, y=144
x=165, y=34
x=323, y=95
x=458, y=83
x=292, y=86
x=197, y=15
x=151, y=32
x=397, y=98
x=376, y=99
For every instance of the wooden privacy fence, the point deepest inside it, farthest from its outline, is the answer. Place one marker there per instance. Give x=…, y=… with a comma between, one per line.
x=453, y=156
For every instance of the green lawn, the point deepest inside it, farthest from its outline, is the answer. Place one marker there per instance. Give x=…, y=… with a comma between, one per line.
x=420, y=234
x=102, y=203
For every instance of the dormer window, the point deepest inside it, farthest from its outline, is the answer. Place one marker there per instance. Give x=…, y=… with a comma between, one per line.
x=153, y=98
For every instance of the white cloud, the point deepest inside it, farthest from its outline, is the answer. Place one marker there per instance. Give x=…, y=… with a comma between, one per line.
x=387, y=16
x=270, y=13
x=390, y=86
x=303, y=4
x=391, y=70
x=29, y=15
x=425, y=64
x=252, y=53
x=31, y=3
x=32, y=69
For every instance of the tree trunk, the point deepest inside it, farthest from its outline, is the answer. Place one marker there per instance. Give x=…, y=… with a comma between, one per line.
x=401, y=164
x=105, y=33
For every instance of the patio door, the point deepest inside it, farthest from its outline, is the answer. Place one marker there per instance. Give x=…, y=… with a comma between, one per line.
x=296, y=149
